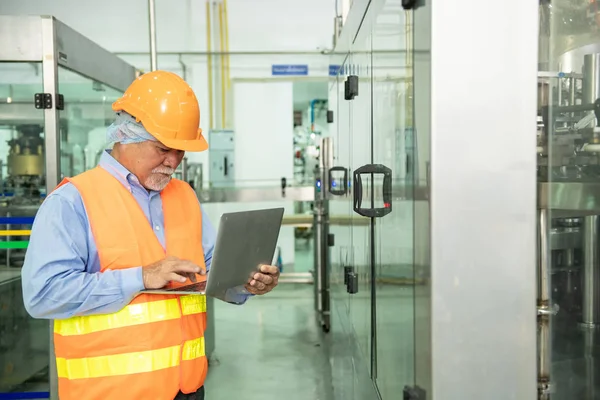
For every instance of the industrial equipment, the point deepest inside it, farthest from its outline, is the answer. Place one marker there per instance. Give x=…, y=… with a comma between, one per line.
x=221, y=158
x=25, y=162
x=568, y=148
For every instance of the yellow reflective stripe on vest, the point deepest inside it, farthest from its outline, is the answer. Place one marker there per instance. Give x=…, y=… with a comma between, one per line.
x=193, y=349
x=129, y=363
x=193, y=304
x=133, y=314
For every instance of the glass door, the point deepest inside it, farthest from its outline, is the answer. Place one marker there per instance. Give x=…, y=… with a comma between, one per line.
x=360, y=155
x=340, y=211
x=394, y=195
x=24, y=341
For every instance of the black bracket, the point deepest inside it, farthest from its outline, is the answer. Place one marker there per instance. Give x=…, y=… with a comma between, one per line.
x=414, y=393
x=329, y=116
x=410, y=4
x=60, y=102
x=352, y=285
x=43, y=101
x=351, y=87
x=347, y=271
x=283, y=186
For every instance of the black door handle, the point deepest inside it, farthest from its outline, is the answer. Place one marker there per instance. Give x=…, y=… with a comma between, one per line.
x=333, y=188
x=387, y=191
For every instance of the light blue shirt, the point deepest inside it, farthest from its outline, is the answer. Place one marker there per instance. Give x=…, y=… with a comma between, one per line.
x=61, y=274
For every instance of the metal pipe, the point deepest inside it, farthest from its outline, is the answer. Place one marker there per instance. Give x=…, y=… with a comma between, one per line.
x=217, y=69
x=591, y=78
x=152, y=27
x=544, y=307
x=567, y=109
x=222, y=47
x=265, y=53
x=591, y=272
x=226, y=30
x=209, y=67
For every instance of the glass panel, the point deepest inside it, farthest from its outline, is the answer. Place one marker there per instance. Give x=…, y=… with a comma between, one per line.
x=341, y=253
x=24, y=342
x=360, y=154
x=83, y=121
x=393, y=146
x=421, y=211
x=340, y=205
x=568, y=172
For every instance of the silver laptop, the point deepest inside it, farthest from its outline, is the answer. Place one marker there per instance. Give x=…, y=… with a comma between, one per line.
x=245, y=240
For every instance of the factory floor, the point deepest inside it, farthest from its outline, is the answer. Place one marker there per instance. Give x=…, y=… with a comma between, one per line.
x=269, y=347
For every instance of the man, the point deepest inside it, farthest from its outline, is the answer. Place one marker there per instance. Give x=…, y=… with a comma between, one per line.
x=103, y=236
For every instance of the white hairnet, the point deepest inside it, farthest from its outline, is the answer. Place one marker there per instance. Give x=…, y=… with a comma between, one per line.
x=126, y=130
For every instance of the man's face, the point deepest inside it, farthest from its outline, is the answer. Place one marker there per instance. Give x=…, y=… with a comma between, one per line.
x=152, y=162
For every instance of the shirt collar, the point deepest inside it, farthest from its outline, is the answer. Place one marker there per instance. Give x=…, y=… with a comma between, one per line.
x=122, y=174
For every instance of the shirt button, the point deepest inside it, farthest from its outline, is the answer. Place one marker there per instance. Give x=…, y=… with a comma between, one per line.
x=157, y=228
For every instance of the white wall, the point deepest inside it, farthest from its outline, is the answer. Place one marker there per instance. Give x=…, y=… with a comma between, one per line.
x=263, y=120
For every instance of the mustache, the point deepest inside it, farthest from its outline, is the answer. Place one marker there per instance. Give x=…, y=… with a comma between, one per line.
x=163, y=170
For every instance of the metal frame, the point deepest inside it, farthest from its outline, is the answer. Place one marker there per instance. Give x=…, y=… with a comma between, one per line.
x=46, y=40
x=480, y=119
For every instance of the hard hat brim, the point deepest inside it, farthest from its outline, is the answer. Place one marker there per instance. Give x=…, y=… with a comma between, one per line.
x=195, y=145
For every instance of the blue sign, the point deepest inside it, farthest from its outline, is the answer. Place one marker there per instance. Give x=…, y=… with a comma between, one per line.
x=334, y=70
x=283, y=69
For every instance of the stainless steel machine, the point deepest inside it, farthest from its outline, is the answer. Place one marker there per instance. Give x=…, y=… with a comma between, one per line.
x=568, y=148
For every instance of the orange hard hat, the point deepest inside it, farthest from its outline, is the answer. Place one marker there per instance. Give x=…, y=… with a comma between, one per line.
x=167, y=108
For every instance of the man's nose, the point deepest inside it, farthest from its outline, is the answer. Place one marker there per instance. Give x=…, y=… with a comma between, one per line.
x=173, y=158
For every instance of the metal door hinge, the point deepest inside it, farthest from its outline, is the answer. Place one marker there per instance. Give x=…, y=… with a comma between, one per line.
x=414, y=393
x=44, y=101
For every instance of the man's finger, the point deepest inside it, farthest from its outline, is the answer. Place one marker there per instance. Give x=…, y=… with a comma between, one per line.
x=253, y=289
x=257, y=284
x=269, y=269
x=186, y=267
x=266, y=279
x=250, y=289
x=175, y=277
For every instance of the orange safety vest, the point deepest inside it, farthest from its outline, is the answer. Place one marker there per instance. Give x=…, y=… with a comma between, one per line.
x=153, y=347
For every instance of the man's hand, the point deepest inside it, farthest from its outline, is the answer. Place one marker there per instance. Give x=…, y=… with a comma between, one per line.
x=169, y=269
x=264, y=281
